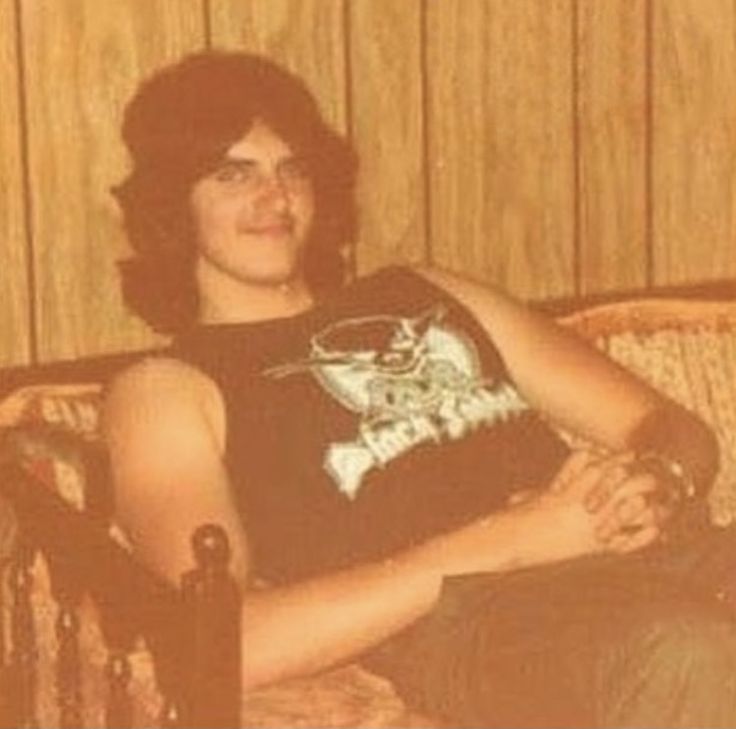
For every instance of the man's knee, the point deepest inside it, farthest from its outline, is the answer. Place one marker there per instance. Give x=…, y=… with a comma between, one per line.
x=677, y=668
x=693, y=637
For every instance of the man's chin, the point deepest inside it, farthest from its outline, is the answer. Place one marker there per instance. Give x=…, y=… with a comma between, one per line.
x=277, y=277
x=267, y=271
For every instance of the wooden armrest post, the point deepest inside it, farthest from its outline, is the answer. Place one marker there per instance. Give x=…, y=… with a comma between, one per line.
x=194, y=632
x=67, y=592
x=120, y=634
x=82, y=559
x=119, y=710
x=21, y=692
x=212, y=605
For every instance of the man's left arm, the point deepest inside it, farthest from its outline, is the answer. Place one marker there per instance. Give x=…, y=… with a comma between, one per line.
x=583, y=391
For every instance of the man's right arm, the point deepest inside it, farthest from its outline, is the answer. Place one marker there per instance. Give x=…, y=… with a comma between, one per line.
x=165, y=427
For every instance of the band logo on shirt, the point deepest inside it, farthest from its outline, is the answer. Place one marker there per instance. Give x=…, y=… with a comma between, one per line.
x=412, y=381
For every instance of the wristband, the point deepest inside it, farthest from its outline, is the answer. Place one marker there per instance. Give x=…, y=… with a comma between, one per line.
x=677, y=474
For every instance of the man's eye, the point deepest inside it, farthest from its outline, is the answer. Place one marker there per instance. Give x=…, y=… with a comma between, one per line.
x=233, y=173
x=295, y=169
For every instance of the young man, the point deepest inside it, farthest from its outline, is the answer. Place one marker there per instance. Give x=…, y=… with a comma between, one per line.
x=379, y=453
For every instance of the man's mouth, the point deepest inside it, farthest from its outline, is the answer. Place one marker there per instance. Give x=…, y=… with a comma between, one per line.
x=274, y=230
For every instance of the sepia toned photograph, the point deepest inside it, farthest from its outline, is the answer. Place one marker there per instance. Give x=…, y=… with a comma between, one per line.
x=368, y=363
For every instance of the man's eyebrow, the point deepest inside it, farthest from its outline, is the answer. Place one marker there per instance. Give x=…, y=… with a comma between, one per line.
x=242, y=163
x=230, y=157
x=234, y=160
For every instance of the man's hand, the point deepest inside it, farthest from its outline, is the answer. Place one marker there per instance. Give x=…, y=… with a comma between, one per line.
x=605, y=503
x=560, y=523
x=631, y=503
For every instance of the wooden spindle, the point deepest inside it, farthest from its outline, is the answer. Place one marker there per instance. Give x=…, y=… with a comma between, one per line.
x=67, y=590
x=68, y=682
x=212, y=604
x=24, y=651
x=6, y=702
x=119, y=714
x=169, y=716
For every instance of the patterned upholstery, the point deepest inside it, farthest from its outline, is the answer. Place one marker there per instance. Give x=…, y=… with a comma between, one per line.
x=53, y=430
x=685, y=348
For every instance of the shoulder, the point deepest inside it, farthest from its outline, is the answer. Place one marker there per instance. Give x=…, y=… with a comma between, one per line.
x=159, y=391
x=467, y=290
x=161, y=372
x=429, y=282
x=499, y=313
x=163, y=379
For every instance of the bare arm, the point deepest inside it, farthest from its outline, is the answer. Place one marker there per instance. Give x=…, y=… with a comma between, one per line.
x=581, y=389
x=164, y=423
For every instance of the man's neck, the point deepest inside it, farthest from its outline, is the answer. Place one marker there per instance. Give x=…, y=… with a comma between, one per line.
x=231, y=301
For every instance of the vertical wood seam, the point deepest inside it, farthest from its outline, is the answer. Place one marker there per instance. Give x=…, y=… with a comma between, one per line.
x=347, y=29
x=207, y=23
x=424, y=129
x=577, y=263
x=24, y=138
x=649, y=142
x=348, y=67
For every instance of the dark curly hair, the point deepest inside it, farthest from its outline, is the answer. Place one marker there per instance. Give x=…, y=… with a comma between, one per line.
x=177, y=127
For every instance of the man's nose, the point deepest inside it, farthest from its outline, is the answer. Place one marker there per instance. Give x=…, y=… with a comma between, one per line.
x=275, y=191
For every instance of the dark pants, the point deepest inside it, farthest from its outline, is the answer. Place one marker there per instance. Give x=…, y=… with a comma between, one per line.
x=646, y=640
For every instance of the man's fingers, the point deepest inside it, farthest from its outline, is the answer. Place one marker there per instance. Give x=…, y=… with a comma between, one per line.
x=612, y=476
x=575, y=464
x=631, y=541
x=635, y=508
x=632, y=506
x=599, y=477
x=631, y=514
x=639, y=485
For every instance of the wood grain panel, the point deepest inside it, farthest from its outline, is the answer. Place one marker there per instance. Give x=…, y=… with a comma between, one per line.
x=612, y=151
x=84, y=59
x=694, y=140
x=387, y=128
x=15, y=309
x=502, y=182
x=306, y=36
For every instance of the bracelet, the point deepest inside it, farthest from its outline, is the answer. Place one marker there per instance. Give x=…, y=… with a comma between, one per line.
x=676, y=472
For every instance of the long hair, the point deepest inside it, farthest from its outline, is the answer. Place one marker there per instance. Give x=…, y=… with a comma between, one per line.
x=177, y=127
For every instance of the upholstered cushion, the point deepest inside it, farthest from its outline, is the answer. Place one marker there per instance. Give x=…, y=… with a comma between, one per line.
x=344, y=697
x=72, y=406
x=52, y=431
x=686, y=349
x=146, y=701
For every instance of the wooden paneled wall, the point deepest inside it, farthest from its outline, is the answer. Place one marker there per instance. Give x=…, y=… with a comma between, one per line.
x=550, y=146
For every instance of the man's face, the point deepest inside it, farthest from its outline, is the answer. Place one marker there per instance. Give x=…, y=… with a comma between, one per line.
x=253, y=213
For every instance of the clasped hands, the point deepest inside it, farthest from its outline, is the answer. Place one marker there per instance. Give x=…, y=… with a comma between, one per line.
x=614, y=502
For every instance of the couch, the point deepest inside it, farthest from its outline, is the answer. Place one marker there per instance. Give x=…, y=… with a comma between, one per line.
x=686, y=348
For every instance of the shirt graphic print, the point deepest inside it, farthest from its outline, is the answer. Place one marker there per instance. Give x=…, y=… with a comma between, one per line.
x=410, y=381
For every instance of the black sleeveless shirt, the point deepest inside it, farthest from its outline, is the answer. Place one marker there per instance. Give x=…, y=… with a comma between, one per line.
x=378, y=418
